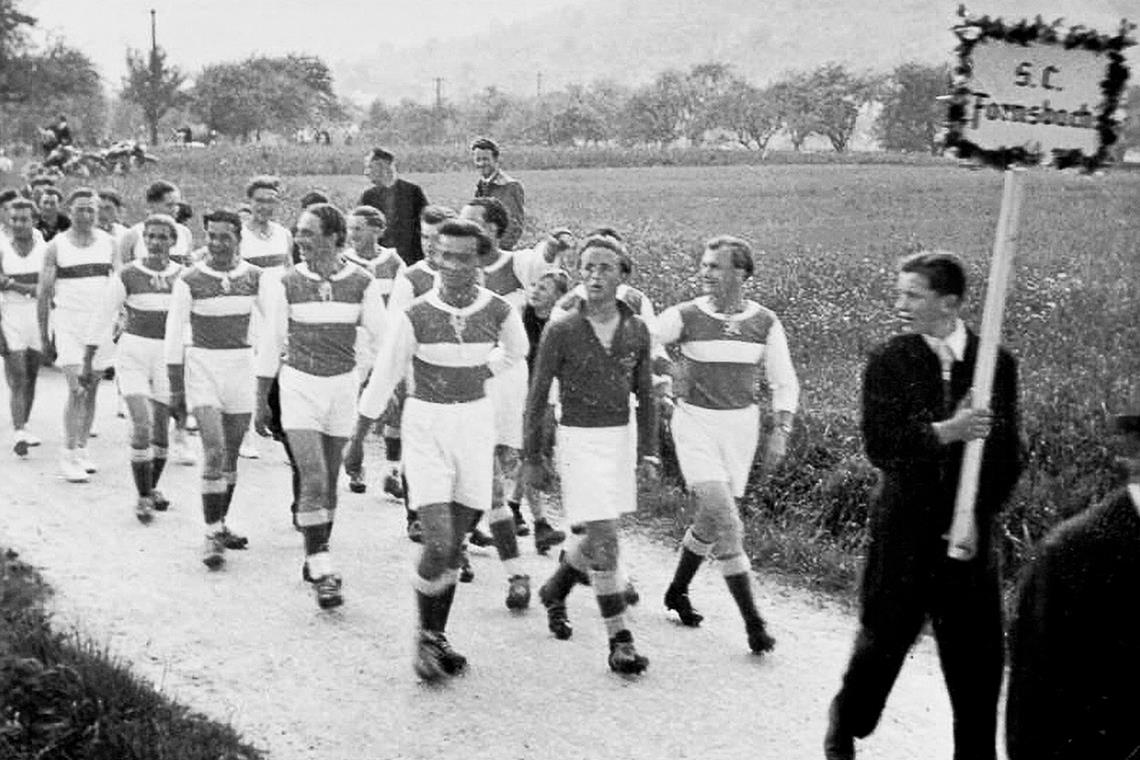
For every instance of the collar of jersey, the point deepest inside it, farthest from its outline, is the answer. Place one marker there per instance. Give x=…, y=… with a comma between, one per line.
x=704, y=303
x=171, y=267
x=480, y=301
x=242, y=267
x=345, y=271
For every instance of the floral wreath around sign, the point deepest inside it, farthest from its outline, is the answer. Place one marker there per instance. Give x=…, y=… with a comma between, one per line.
x=971, y=31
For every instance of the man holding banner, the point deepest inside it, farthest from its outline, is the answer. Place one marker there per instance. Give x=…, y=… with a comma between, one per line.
x=917, y=417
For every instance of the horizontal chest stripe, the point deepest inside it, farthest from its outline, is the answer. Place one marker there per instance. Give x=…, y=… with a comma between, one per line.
x=77, y=271
x=723, y=351
x=454, y=354
x=325, y=312
x=150, y=301
x=221, y=306
x=25, y=278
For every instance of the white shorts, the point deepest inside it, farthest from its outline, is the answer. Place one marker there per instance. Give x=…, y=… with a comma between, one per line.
x=449, y=452
x=507, y=392
x=140, y=368
x=716, y=445
x=598, y=471
x=220, y=378
x=324, y=404
x=71, y=329
x=20, y=325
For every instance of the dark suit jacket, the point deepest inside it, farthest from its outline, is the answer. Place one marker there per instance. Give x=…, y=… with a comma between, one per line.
x=1074, y=648
x=402, y=204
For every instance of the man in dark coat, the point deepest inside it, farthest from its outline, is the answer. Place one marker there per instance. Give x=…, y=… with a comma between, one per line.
x=1074, y=652
x=400, y=201
x=916, y=421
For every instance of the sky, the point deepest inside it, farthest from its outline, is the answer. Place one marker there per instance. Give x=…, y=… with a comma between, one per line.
x=197, y=32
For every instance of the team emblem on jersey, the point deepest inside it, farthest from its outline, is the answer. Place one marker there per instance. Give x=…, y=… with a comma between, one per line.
x=458, y=324
x=226, y=284
x=324, y=290
x=731, y=327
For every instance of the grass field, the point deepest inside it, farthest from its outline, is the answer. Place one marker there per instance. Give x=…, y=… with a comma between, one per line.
x=830, y=234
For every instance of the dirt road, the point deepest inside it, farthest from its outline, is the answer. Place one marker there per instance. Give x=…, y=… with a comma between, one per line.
x=248, y=645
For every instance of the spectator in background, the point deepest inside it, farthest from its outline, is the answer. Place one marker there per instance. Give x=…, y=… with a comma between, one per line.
x=7, y=195
x=1074, y=654
x=52, y=221
x=110, y=206
x=400, y=201
x=494, y=183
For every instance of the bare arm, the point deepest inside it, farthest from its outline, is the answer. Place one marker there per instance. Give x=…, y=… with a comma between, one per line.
x=45, y=291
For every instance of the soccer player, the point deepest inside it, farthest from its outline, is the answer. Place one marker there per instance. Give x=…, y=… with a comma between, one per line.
x=21, y=260
x=600, y=355
x=315, y=310
x=77, y=265
x=453, y=339
x=143, y=289
x=51, y=220
x=365, y=228
x=161, y=197
x=213, y=376
x=723, y=339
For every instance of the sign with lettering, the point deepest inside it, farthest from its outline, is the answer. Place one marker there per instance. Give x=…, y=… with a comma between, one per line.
x=1030, y=93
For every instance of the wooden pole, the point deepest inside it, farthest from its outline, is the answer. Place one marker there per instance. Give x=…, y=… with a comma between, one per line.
x=963, y=537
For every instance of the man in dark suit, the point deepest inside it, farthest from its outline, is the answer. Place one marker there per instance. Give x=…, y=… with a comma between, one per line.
x=916, y=421
x=400, y=201
x=1074, y=653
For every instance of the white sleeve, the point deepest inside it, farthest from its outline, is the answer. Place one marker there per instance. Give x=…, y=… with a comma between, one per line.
x=102, y=326
x=402, y=294
x=373, y=318
x=780, y=373
x=513, y=344
x=274, y=326
x=177, y=323
x=530, y=264
x=396, y=352
x=669, y=326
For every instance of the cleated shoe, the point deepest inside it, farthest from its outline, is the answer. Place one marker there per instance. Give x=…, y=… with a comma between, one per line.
x=233, y=540
x=215, y=553
x=429, y=662
x=144, y=509
x=85, y=462
x=466, y=572
x=556, y=619
x=630, y=594
x=161, y=503
x=521, y=528
x=306, y=576
x=328, y=591
x=678, y=601
x=546, y=536
x=393, y=487
x=518, y=593
x=451, y=662
x=480, y=539
x=31, y=439
x=623, y=655
x=415, y=532
x=759, y=640
x=356, y=482
x=20, y=444
x=70, y=468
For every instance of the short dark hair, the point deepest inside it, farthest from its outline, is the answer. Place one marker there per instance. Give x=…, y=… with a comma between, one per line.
x=373, y=216
x=107, y=194
x=606, y=232
x=52, y=190
x=468, y=229
x=158, y=190
x=77, y=193
x=435, y=214
x=332, y=221
x=8, y=194
x=184, y=212
x=741, y=252
x=494, y=212
x=312, y=198
x=943, y=270
x=42, y=179
x=22, y=203
x=560, y=279
x=381, y=154
x=223, y=215
x=262, y=182
x=485, y=143
x=625, y=261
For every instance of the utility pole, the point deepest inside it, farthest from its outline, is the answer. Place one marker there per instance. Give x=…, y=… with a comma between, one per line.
x=438, y=92
x=539, y=84
x=153, y=35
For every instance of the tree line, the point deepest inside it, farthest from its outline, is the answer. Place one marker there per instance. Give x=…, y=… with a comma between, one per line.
x=244, y=99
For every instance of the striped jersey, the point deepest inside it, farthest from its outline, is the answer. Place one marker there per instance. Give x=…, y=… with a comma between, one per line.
x=452, y=351
x=514, y=273
x=143, y=294
x=22, y=269
x=314, y=320
x=412, y=283
x=179, y=252
x=81, y=272
x=721, y=352
x=271, y=251
x=213, y=308
x=385, y=268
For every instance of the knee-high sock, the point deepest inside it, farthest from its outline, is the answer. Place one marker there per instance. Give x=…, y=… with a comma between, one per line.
x=503, y=532
x=693, y=552
x=213, y=500
x=316, y=537
x=158, y=464
x=559, y=585
x=392, y=447
x=738, y=577
x=142, y=470
x=433, y=599
x=231, y=483
x=611, y=600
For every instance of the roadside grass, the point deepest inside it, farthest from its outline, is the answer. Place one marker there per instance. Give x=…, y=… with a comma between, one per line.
x=63, y=697
x=827, y=237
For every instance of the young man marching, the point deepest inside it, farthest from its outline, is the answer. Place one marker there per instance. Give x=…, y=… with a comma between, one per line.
x=314, y=311
x=599, y=355
x=723, y=339
x=454, y=339
x=143, y=288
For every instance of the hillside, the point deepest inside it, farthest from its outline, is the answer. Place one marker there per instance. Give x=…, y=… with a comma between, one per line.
x=629, y=41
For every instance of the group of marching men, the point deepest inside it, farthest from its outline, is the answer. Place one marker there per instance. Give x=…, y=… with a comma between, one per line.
x=475, y=354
